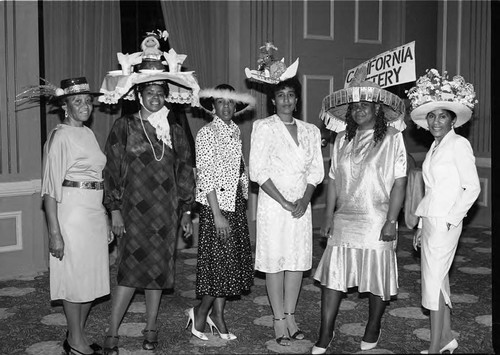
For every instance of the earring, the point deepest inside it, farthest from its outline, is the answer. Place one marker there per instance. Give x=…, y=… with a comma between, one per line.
x=65, y=114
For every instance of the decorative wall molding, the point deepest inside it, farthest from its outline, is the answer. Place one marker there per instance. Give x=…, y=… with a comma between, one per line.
x=356, y=25
x=306, y=79
x=331, y=35
x=17, y=215
x=20, y=188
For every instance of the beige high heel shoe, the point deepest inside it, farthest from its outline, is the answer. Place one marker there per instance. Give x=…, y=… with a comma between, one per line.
x=225, y=336
x=190, y=313
x=319, y=350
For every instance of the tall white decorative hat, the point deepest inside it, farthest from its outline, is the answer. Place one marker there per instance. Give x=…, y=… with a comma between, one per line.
x=433, y=91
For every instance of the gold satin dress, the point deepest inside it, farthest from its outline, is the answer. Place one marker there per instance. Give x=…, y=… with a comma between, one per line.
x=364, y=174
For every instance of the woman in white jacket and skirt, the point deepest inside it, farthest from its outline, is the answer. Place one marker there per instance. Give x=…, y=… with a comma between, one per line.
x=451, y=187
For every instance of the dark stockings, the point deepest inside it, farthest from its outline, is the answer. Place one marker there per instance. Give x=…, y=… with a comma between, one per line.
x=201, y=312
x=377, y=309
x=330, y=302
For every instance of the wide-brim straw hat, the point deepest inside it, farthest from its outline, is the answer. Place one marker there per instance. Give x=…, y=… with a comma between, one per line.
x=75, y=86
x=334, y=106
x=243, y=101
x=55, y=94
x=433, y=92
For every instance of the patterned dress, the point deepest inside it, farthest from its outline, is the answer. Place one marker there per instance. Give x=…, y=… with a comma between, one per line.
x=82, y=275
x=151, y=196
x=364, y=175
x=224, y=267
x=284, y=242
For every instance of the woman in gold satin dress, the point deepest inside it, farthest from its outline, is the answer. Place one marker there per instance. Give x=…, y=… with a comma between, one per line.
x=365, y=194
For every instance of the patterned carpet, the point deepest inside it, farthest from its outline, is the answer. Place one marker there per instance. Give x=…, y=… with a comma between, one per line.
x=30, y=324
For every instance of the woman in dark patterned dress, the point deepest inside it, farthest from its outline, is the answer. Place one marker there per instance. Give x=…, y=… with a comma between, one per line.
x=224, y=266
x=149, y=184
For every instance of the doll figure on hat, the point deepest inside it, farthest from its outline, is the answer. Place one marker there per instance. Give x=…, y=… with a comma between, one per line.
x=151, y=45
x=268, y=64
x=270, y=70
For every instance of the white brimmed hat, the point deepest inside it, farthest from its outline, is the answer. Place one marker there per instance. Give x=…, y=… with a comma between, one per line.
x=433, y=91
x=243, y=101
x=335, y=105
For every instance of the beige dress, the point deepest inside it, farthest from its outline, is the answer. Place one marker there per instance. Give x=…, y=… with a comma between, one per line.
x=364, y=175
x=82, y=275
x=284, y=242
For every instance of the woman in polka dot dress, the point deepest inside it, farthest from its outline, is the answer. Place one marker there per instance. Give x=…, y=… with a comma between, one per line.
x=224, y=267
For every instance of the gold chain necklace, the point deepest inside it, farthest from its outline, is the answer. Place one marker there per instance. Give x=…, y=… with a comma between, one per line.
x=149, y=140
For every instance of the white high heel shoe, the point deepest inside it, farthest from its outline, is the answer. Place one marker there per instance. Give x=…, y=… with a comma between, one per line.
x=190, y=313
x=318, y=350
x=451, y=347
x=225, y=336
x=368, y=346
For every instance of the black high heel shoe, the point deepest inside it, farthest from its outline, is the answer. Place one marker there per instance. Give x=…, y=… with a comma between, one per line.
x=94, y=346
x=114, y=349
x=69, y=350
x=299, y=334
x=150, y=344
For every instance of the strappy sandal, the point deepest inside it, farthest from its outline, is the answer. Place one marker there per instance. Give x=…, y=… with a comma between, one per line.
x=111, y=351
x=283, y=340
x=299, y=334
x=150, y=344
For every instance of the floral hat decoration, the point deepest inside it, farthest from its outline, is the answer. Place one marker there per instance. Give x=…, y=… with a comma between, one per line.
x=269, y=69
x=68, y=87
x=243, y=101
x=433, y=91
x=334, y=106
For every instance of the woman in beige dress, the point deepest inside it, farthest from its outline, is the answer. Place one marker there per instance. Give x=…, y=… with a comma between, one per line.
x=72, y=191
x=451, y=187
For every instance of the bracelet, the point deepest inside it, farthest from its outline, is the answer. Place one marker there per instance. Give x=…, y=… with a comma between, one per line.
x=391, y=221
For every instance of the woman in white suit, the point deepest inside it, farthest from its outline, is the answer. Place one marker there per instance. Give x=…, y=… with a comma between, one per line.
x=451, y=187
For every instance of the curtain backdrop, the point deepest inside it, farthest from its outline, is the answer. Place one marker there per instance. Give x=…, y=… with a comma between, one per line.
x=200, y=30
x=81, y=38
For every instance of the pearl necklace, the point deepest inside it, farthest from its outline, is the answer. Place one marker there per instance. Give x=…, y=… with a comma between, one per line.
x=149, y=140
x=289, y=123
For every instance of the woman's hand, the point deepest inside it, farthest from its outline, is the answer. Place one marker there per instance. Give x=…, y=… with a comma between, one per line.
x=117, y=225
x=187, y=224
x=388, y=233
x=417, y=239
x=327, y=227
x=300, y=208
x=222, y=226
x=287, y=205
x=56, y=245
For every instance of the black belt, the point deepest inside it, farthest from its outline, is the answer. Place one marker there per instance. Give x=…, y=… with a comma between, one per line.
x=91, y=185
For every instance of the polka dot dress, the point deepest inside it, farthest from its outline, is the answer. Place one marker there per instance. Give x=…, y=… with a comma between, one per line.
x=224, y=268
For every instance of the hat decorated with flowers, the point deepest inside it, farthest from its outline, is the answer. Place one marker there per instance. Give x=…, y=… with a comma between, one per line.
x=68, y=87
x=269, y=69
x=334, y=106
x=243, y=101
x=434, y=91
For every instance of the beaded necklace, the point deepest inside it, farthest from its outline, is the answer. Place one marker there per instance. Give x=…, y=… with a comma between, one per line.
x=149, y=140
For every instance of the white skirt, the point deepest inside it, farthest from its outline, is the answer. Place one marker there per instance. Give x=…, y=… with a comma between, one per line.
x=438, y=250
x=83, y=273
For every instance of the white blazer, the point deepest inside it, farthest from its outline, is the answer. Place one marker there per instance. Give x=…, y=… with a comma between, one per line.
x=451, y=180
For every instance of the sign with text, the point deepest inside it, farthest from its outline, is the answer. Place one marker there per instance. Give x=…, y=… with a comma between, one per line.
x=396, y=66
